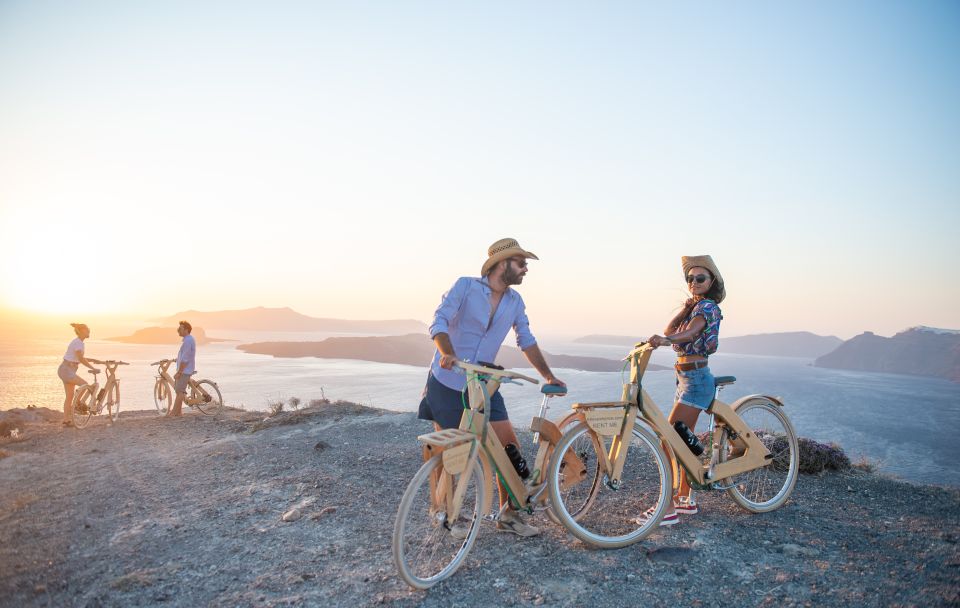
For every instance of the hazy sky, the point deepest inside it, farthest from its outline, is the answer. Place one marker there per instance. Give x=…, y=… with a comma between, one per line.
x=352, y=159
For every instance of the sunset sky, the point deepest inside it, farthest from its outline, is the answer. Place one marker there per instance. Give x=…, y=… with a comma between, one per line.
x=353, y=159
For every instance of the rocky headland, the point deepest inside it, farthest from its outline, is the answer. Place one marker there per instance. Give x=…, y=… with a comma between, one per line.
x=298, y=510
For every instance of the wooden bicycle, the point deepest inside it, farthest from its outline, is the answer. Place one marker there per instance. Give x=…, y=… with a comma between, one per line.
x=753, y=456
x=441, y=509
x=90, y=401
x=201, y=394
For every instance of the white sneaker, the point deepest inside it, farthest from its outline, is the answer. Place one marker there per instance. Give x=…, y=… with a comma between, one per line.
x=510, y=522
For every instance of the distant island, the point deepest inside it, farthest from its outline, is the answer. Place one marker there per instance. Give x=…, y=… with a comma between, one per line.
x=164, y=335
x=415, y=349
x=287, y=319
x=784, y=344
x=918, y=351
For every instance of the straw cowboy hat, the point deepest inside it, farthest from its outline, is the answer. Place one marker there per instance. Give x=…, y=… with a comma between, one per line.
x=704, y=261
x=501, y=250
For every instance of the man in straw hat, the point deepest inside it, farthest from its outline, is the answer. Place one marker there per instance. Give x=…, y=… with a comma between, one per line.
x=471, y=323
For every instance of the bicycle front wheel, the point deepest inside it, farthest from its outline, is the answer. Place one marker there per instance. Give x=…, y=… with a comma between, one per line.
x=428, y=548
x=162, y=396
x=578, y=497
x=619, y=514
x=768, y=487
x=211, y=403
x=83, y=404
x=113, y=402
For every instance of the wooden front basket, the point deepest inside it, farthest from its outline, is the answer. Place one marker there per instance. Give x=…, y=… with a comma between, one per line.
x=447, y=438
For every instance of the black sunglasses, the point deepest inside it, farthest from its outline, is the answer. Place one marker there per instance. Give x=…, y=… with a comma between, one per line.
x=699, y=278
x=520, y=262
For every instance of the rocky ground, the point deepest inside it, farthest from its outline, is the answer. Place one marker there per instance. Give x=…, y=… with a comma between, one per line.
x=189, y=512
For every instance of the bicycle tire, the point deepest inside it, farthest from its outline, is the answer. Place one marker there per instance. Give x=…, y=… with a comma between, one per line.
x=162, y=396
x=587, y=452
x=770, y=424
x=422, y=539
x=212, y=407
x=83, y=399
x=114, y=399
x=617, y=517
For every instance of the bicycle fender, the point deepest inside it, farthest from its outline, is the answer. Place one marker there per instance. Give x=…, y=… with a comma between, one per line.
x=775, y=400
x=547, y=429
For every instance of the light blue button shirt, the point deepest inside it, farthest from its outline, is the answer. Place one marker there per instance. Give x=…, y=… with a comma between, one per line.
x=464, y=315
x=188, y=354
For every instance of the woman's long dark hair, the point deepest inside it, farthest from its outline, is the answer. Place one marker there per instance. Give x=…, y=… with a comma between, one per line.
x=712, y=294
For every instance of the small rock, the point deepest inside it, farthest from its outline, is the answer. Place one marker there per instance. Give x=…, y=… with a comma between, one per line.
x=292, y=515
x=321, y=446
x=631, y=577
x=849, y=489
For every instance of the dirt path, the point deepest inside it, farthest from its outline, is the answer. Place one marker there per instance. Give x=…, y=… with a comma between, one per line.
x=188, y=513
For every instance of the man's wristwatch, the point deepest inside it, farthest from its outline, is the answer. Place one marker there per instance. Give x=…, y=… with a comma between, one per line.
x=667, y=340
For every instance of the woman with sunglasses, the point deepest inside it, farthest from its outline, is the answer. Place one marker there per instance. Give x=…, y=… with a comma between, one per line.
x=694, y=333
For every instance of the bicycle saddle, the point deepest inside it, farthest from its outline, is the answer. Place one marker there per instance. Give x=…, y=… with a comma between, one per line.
x=93, y=371
x=553, y=390
x=723, y=380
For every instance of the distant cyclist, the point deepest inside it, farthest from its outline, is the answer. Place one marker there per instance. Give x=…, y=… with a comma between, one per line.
x=68, y=369
x=471, y=323
x=186, y=366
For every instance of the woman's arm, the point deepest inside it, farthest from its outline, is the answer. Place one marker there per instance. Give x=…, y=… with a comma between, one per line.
x=688, y=335
x=84, y=360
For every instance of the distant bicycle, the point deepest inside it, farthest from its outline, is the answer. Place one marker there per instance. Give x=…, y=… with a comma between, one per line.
x=201, y=394
x=89, y=400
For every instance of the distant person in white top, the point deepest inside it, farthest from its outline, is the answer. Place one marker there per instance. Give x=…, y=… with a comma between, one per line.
x=68, y=369
x=186, y=366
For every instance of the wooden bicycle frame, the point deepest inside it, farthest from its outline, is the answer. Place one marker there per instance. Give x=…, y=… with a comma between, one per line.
x=458, y=447
x=111, y=370
x=616, y=419
x=166, y=377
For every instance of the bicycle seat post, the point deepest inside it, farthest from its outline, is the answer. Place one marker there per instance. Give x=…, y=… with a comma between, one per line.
x=543, y=414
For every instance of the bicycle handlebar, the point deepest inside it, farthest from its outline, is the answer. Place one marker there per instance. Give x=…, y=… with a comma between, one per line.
x=639, y=347
x=489, y=371
x=162, y=361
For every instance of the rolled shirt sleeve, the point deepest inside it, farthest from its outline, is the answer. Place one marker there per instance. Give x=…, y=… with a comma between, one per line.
x=521, y=326
x=449, y=305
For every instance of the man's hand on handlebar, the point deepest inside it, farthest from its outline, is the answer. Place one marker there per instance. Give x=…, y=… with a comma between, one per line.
x=447, y=361
x=551, y=379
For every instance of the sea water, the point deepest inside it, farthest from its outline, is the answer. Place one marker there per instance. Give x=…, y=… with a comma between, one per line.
x=905, y=424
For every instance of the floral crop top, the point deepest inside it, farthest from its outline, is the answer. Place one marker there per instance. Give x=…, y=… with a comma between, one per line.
x=708, y=340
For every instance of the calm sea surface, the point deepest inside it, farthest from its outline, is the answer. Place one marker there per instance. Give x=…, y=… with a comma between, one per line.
x=907, y=424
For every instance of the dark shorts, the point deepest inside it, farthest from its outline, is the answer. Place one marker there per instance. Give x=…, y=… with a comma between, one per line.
x=444, y=405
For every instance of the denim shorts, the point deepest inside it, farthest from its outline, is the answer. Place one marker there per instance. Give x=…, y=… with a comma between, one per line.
x=444, y=405
x=695, y=388
x=68, y=372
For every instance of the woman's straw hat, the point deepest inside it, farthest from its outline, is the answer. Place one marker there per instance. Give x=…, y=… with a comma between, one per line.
x=704, y=261
x=501, y=250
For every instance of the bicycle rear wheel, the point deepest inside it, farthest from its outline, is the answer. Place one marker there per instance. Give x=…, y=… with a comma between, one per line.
x=162, y=397
x=616, y=517
x=425, y=547
x=215, y=404
x=83, y=404
x=768, y=487
x=578, y=497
